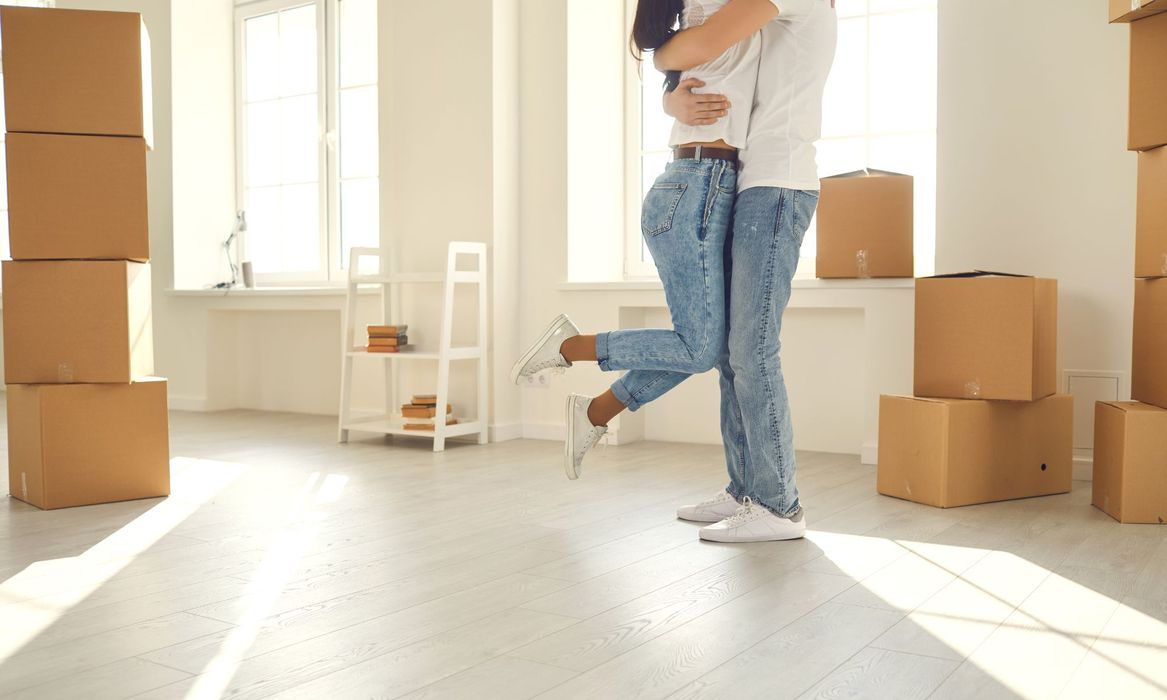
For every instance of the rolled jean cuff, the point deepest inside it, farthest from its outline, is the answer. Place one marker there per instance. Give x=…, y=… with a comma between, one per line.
x=602, y=353
x=623, y=396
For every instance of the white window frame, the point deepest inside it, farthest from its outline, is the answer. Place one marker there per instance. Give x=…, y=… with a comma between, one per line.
x=331, y=271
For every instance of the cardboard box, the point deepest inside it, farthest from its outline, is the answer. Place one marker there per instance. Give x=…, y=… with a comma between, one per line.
x=1151, y=220
x=81, y=444
x=985, y=335
x=76, y=72
x=77, y=197
x=865, y=224
x=1130, y=461
x=953, y=452
x=1149, y=364
x=1131, y=10
x=1148, y=89
x=77, y=322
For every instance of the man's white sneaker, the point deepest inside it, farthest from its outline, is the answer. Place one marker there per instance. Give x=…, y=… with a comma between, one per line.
x=753, y=523
x=714, y=510
x=544, y=353
x=581, y=434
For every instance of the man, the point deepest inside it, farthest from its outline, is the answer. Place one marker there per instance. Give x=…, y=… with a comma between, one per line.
x=777, y=196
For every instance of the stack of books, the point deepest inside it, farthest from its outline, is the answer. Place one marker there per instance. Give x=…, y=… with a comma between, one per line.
x=387, y=338
x=421, y=413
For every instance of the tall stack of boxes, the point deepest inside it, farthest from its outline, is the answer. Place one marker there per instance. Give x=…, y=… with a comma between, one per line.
x=87, y=422
x=984, y=423
x=1130, y=437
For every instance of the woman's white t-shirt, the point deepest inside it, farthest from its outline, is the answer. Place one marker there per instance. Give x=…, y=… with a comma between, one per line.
x=733, y=74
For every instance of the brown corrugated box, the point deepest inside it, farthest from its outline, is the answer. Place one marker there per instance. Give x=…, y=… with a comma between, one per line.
x=1130, y=461
x=984, y=335
x=865, y=221
x=1148, y=88
x=77, y=197
x=76, y=72
x=71, y=321
x=953, y=452
x=1151, y=221
x=1149, y=364
x=1131, y=10
x=81, y=444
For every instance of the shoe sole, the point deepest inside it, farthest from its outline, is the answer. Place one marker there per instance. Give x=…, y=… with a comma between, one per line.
x=569, y=443
x=708, y=519
x=750, y=540
x=517, y=368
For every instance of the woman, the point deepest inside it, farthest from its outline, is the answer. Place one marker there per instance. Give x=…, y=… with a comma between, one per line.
x=685, y=222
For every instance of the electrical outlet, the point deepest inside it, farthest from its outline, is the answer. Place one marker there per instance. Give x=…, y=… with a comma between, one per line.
x=537, y=380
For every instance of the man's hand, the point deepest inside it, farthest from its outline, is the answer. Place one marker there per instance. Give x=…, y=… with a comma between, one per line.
x=692, y=108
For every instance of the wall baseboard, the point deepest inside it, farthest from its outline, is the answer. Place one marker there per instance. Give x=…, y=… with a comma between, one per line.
x=1083, y=465
x=869, y=453
x=505, y=432
x=196, y=404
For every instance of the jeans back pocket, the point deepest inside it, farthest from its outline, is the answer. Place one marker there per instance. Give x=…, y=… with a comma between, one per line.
x=660, y=205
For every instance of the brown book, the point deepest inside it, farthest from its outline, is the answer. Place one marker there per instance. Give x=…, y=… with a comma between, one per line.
x=383, y=348
x=377, y=341
x=411, y=411
x=424, y=400
x=428, y=427
x=387, y=331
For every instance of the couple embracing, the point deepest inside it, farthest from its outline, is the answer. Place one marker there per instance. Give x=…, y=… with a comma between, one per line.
x=724, y=224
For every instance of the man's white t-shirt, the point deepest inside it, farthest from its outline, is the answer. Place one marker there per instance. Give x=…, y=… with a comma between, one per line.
x=798, y=48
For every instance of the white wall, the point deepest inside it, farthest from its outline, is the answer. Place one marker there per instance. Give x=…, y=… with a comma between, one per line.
x=1034, y=174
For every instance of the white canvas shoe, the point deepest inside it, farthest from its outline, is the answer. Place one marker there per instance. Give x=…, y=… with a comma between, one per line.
x=753, y=523
x=544, y=353
x=581, y=434
x=714, y=510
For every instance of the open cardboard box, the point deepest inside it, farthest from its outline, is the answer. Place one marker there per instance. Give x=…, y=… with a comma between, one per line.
x=865, y=225
x=986, y=335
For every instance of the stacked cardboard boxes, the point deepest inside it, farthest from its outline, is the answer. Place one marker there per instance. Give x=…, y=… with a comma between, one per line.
x=86, y=422
x=984, y=423
x=1130, y=452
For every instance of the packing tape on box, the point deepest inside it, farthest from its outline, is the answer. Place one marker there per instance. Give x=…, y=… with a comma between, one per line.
x=1136, y=4
x=972, y=390
x=863, y=265
x=65, y=373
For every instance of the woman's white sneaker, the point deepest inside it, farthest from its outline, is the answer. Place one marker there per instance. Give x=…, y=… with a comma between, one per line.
x=581, y=434
x=544, y=353
x=753, y=523
x=714, y=510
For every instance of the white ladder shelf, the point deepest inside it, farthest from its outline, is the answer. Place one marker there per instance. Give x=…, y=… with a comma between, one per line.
x=444, y=354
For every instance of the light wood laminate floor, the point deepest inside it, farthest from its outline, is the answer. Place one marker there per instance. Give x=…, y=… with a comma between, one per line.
x=288, y=566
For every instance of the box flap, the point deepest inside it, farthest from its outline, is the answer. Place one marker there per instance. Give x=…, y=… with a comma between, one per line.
x=1133, y=407
x=975, y=273
x=866, y=172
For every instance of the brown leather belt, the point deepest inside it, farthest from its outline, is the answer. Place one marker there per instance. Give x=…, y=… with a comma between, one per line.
x=702, y=152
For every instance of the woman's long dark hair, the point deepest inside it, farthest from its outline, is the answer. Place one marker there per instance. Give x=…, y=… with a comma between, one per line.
x=656, y=22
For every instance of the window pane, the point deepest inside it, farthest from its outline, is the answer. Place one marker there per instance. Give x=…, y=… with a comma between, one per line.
x=837, y=156
x=895, y=5
x=263, y=223
x=299, y=139
x=651, y=167
x=358, y=42
x=903, y=71
x=298, y=51
x=262, y=37
x=850, y=8
x=656, y=125
x=263, y=143
x=299, y=234
x=845, y=98
x=359, y=215
x=358, y=133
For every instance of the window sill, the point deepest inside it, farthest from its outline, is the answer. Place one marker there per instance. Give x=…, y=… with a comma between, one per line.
x=655, y=285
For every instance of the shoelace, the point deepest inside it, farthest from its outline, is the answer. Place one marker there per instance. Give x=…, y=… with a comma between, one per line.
x=717, y=500
x=745, y=512
x=549, y=363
